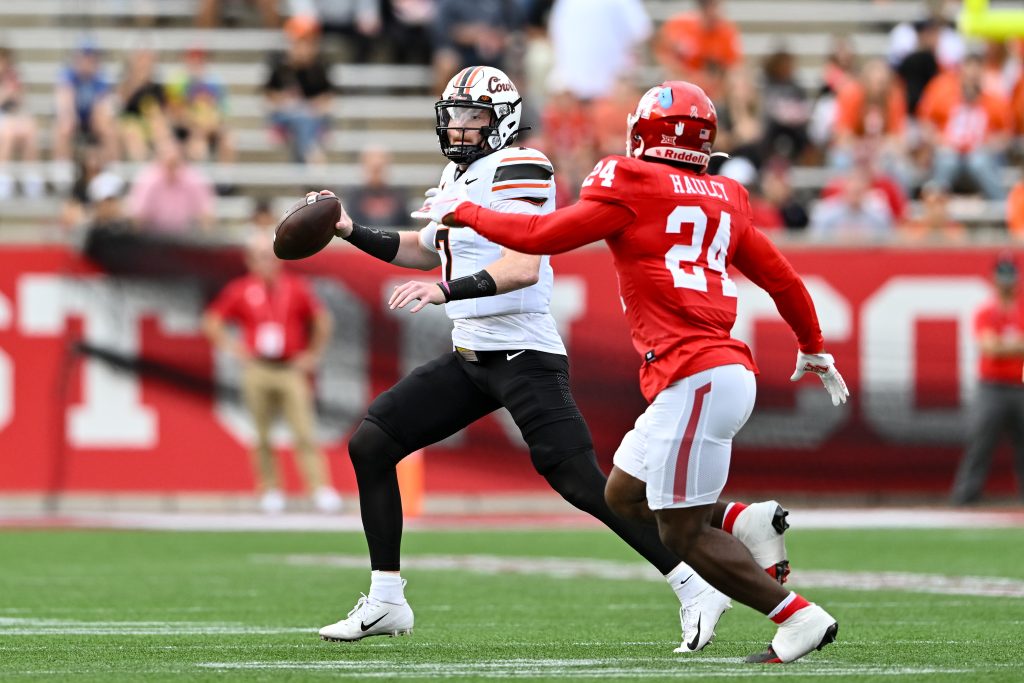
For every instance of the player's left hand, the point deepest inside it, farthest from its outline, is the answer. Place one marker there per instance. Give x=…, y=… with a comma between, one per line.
x=425, y=292
x=824, y=366
x=439, y=204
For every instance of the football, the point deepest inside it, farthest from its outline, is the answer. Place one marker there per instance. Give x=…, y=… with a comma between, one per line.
x=307, y=227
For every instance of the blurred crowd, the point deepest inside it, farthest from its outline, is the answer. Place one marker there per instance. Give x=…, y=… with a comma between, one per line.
x=897, y=140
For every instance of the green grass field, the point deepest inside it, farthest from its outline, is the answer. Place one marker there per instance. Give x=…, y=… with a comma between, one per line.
x=129, y=606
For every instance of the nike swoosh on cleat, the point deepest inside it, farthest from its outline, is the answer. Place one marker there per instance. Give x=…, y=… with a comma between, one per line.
x=696, y=639
x=510, y=356
x=363, y=626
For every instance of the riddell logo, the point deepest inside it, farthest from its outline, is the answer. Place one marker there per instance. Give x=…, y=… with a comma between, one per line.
x=496, y=85
x=683, y=155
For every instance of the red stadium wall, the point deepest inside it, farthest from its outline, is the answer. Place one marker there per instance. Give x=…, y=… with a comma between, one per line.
x=898, y=322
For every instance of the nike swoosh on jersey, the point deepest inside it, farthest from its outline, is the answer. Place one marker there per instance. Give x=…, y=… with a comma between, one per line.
x=363, y=626
x=510, y=356
x=471, y=181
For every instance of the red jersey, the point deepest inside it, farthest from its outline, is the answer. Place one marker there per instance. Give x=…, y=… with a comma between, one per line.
x=275, y=319
x=673, y=233
x=1005, y=323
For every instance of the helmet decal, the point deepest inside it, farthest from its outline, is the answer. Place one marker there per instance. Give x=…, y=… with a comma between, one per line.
x=674, y=122
x=486, y=90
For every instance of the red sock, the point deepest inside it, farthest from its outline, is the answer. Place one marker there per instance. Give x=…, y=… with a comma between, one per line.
x=732, y=511
x=788, y=607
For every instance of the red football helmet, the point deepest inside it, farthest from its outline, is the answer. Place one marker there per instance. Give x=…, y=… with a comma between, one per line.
x=675, y=121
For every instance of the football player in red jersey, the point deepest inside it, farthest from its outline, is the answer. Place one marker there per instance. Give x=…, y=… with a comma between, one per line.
x=673, y=230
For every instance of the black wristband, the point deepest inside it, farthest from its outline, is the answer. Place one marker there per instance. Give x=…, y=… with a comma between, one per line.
x=470, y=287
x=382, y=244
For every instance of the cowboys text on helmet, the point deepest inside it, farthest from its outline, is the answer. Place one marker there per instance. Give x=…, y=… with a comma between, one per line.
x=479, y=112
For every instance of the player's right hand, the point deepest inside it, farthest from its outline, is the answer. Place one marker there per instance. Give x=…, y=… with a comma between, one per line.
x=824, y=366
x=343, y=228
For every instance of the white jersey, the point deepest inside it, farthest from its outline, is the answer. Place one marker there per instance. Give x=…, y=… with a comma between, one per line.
x=514, y=180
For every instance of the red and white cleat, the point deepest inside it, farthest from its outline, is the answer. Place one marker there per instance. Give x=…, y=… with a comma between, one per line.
x=760, y=527
x=805, y=630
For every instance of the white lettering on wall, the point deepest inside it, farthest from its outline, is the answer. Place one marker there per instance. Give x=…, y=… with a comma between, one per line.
x=888, y=322
x=6, y=369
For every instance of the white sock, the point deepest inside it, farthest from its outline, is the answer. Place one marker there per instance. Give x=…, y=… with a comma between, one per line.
x=686, y=583
x=385, y=587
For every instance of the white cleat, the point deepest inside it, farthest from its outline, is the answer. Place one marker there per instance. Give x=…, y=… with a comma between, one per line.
x=760, y=527
x=700, y=617
x=808, y=629
x=371, y=618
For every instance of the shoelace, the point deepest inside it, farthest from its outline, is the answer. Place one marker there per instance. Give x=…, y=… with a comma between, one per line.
x=359, y=604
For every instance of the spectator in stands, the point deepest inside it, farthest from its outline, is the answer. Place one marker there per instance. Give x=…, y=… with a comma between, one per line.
x=998, y=407
x=967, y=127
x=298, y=91
x=608, y=116
x=568, y=140
x=871, y=117
x=142, y=122
x=208, y=14
x=84, y=107
x=766, y=215
x=18, y=132
x=284, y=331
x=904, y=37
x=408, y=25
x=884, y=185
x=1002, y=69
x=375, y=201
x=778, y=191
x=840, y=69
x=105, y=193
x=170, y=196
x=197, y=109
x=1018, y=106
x=358, y=22
x=1015, y=209
x=741, y=117
x=935, y=224
x=595, y=43
x=919, y=67
x=786, y=107
x=700, y=47
x=472, y=32
x=858, y=214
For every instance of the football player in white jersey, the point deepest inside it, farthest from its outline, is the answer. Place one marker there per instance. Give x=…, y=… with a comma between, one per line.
x=507, y=353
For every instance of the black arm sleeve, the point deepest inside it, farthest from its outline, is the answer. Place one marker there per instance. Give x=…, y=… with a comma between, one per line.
x=381, y=244
x=472, y=286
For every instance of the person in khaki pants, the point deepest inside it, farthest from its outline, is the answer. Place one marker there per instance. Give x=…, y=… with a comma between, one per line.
x=284, y=329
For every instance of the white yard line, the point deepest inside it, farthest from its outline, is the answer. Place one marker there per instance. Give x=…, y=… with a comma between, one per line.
x=804, y=518
x=573, y=567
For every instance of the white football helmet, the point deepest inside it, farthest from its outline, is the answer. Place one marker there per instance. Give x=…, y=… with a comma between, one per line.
x=478, y=98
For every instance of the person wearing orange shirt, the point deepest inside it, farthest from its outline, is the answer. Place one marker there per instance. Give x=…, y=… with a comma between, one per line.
x=999, y=404
x=967, y=127
x=871, y=123
x=700, y=47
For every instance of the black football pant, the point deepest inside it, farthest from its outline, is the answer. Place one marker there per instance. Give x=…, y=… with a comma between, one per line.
x=440, y=398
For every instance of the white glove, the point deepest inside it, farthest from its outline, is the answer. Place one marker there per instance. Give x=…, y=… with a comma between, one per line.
x=824, y=366
x=441, y=203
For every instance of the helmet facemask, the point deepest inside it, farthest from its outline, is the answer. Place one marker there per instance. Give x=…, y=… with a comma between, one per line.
x=485, y=118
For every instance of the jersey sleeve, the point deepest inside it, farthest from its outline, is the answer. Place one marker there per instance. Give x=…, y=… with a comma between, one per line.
x=522, y=175
x=762, y=262
x=427, y=235
x=563, y=230
x=615, y=179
